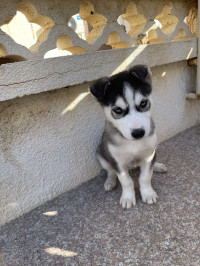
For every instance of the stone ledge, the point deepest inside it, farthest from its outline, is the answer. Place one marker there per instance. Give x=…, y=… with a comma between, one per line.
x=31, y=77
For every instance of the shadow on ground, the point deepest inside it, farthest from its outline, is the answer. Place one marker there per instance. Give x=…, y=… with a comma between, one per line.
x=86, y=226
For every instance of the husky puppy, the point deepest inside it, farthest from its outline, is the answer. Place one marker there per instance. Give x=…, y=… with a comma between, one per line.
x=129, y=139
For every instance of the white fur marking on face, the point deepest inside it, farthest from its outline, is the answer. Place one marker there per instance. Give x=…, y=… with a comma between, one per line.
x=121, y=103
x=138, y=98
x=129, y=95
x=133, y=119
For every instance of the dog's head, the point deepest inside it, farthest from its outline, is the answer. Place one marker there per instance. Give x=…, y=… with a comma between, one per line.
x=126, y=99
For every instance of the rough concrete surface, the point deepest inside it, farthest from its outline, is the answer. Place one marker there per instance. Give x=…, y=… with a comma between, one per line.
x=88, y=227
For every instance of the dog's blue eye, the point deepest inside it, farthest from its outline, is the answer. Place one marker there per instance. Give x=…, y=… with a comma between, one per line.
x=118, y=110
x=143, y=103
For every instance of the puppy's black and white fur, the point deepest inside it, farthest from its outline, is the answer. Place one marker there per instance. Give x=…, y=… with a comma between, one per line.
x=129, y=139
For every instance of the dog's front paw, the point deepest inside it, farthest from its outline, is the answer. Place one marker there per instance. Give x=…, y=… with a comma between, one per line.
x=127, y=200
x=149, y=196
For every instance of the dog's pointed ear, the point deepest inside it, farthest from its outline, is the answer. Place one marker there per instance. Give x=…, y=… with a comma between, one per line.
x=99, y=88
x=141, y=72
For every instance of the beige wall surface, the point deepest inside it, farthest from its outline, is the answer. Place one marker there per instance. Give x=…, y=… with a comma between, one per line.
x=48, y=140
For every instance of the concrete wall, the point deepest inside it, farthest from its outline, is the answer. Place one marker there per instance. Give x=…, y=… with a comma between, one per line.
x=48, y=140
x=171, y=111
x=45, y=152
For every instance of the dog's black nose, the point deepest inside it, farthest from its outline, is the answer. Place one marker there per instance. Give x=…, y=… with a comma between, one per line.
x=138, y=133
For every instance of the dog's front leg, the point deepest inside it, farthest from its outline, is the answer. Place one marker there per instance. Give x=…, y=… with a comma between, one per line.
x=127, y=199
x=148, y=194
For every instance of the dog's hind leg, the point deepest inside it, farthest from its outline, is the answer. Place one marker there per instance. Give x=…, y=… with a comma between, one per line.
x=159, y=168
x=111, y=180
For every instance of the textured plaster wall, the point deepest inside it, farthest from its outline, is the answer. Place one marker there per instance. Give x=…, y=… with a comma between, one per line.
x=171, y=111
x=47, y=149
x=45, y=152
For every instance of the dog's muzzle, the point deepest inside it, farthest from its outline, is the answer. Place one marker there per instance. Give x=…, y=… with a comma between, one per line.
x=138, y=133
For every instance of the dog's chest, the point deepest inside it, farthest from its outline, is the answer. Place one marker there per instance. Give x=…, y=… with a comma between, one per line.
x=131, y=153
